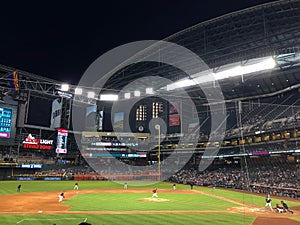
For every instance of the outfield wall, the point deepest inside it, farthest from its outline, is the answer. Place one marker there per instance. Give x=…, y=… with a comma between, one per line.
x=151, y=176
x=9, y=173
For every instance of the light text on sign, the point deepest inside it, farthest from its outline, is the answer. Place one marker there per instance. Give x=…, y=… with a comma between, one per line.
x=36, y=143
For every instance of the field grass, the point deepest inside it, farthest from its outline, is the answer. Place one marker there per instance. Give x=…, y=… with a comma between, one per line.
x=10, y=187
x=247, y=198
x=165, y=219
x=118, y=202
x=130, y=202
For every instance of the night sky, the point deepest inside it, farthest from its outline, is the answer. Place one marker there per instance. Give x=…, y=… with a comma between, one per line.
x=60, y=39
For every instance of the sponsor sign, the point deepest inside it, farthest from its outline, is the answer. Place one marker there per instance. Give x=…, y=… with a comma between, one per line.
x=31, y=142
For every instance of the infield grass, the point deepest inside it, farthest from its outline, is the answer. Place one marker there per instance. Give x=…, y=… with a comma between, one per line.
x=130, y=202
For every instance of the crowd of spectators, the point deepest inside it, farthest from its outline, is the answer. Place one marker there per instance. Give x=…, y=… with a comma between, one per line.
x=276, y=180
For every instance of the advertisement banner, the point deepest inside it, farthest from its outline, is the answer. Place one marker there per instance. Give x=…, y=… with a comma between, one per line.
x=174, y=120
x=56, y=113
x=31, y=142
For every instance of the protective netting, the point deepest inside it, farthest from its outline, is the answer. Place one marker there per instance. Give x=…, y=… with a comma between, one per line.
x=260, y=150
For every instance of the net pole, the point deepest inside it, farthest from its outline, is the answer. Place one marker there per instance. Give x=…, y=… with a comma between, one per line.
x=158, y=154
x=242, y=145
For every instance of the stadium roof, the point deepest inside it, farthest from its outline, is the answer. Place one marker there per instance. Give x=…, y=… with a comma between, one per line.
x=268, y=30
x=236, y=39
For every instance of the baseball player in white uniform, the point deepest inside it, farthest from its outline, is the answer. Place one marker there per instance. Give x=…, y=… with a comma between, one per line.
x=268, y=203
x=61, y=197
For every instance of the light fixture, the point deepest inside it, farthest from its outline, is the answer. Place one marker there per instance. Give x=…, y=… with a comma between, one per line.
x=137, y=93
x=127, y=95
x=180, y=84
x=109, y=97
x=240, y=70
x=91, y=94
x=149, y=91
x=78, y=91
x=253, y=66
x=64, y=87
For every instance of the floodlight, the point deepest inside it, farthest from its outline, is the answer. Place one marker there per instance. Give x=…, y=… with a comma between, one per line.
x=185, y=83
x=109, y=97
x=64, y=87
x=149, y=91
x=240, y=70
x=78, y=91
x=180, y=84
x=127, y=95
x=137, y=93
x=91, y=94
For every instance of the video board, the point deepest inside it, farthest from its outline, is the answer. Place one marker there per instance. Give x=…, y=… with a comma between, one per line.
x=62, y=137
x=7, y=124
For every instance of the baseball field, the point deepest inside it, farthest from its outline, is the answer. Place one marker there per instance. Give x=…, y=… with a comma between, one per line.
x=107, y=203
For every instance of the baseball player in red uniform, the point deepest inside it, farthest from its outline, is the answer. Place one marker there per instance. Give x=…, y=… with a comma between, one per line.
x=154, y=195
x=279, y=208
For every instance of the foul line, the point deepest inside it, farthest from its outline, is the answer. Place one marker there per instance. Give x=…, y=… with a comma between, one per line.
x=85, y=219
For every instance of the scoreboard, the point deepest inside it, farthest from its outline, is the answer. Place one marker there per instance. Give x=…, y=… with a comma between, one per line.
x=62, y=137
x=5, y=122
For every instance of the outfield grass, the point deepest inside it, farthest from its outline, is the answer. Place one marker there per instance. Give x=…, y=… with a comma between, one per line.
x=165, y=219
x=129, y=202
x=10, y=187
x=247, y=198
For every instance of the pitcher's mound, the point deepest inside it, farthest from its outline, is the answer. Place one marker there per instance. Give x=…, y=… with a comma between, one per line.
x=153, y=200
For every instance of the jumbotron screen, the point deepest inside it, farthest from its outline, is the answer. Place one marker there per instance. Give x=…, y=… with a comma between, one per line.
x=7, y=125
x=5, y=122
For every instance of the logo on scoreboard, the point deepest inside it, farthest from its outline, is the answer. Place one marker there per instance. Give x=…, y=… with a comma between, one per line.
x=31, y=142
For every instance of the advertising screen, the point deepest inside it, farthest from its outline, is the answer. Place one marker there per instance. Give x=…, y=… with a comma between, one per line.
x=5, y=122
x=8, y=116
x=174, y=120
x=62, y=137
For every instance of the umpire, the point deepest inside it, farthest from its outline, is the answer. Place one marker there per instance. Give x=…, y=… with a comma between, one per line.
x=286, y=208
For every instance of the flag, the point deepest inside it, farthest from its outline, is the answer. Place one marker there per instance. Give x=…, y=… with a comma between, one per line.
x=14, y=81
